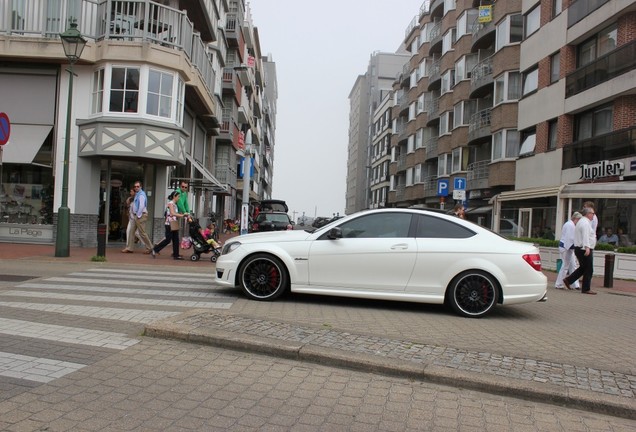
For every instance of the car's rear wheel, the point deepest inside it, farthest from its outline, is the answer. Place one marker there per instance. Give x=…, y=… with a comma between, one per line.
x=263, y=277
x=473, y=293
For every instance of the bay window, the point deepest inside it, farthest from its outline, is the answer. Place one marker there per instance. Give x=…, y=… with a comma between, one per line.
x=507, y=87
x=505, y=144
x=530, y=81
x=139, y=91
x=509, y=31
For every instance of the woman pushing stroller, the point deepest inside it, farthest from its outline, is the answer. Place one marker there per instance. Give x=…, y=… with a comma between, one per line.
x=171, y=226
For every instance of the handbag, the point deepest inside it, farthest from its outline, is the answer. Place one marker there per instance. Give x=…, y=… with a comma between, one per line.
x=174, y=225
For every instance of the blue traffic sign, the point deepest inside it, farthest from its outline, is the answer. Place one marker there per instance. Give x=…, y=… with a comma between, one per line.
x=459, y=183
x=442, y=187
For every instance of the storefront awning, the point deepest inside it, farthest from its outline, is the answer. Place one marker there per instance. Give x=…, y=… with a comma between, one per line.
x=526, y=194
x=215, y=185
x=24, y=143
x=479, y=210
x=622, y=190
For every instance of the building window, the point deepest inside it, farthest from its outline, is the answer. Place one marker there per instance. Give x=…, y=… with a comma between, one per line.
x=552, y=134
x=444, y=163
x=528, y=142
x=555, y=67
x=410, y=144
x=509, y=31
x=419, y=138
x=445, y=122
x=464, y=66
x=463, y=111
x=448, y=81
x=600, y=44
x=594, y=122
x=417, y=174
x=409, y=176
x=124, y=89
x=533, y=21
x=448, y=40
x=449, y=5
x=458, y=163
x=530, y=81
x=97, y=99
x=505, y=144
x=507, y=87
x=160, y=89
x=465, y=22
x=557, y=7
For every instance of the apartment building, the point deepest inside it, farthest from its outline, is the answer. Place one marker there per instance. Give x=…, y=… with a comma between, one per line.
x=364, y=98
x=456, y=115
x=521, y=110
x=577, y=116
x=381, y=152
x=148, y=103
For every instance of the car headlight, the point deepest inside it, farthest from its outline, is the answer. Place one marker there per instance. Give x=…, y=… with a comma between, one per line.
x=229, y=247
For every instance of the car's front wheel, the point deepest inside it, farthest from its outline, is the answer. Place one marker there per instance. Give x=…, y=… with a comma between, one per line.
x=263, y=277
x=473, y=293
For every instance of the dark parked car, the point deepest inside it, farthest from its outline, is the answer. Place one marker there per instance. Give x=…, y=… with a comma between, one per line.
x=272, y=221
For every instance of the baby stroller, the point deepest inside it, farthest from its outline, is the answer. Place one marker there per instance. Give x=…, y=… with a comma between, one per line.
x=200, y=244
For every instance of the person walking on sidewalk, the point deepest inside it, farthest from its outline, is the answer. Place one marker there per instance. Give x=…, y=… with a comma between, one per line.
x=566, y=251
x=584, y=243
x=140, y=215
x=172, y=234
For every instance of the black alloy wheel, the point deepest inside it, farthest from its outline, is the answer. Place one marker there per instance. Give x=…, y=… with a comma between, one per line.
x=473, y=293
x=263, y=277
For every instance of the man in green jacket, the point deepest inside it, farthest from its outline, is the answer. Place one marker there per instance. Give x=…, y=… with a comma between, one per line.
x=182, y=205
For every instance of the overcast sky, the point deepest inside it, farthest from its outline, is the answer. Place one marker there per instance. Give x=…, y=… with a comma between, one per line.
x=320, y=47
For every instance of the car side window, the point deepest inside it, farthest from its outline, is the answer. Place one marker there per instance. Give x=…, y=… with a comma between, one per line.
x=380, y=225
x=434, y=227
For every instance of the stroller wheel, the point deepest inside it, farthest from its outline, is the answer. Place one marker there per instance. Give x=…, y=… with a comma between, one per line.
x=213, y=258
x=195, y=257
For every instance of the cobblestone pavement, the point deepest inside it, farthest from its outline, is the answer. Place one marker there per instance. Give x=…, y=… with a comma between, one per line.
x=173, y=386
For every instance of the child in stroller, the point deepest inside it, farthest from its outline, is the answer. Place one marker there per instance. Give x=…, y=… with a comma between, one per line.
x=201, y=244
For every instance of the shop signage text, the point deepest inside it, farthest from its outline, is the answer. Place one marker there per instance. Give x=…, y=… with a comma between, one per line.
x=18, y=232
x=601, y=169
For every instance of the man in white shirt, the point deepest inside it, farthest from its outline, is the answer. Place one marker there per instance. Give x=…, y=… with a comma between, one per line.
x=584, y=243
x=566, y=251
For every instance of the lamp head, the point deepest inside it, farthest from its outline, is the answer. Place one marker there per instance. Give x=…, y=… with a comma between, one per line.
x=73, y=43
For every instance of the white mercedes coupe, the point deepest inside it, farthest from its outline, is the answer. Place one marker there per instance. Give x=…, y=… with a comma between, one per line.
x=388, y=254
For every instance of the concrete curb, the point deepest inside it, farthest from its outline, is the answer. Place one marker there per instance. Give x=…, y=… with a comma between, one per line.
x=499, y=385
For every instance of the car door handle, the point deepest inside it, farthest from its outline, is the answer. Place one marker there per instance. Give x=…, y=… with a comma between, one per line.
x=400, y=246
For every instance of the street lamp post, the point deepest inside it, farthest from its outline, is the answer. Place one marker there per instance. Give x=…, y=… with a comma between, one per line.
x=73, y=44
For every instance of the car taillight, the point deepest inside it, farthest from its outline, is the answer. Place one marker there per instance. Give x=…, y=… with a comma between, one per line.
x=534, y=260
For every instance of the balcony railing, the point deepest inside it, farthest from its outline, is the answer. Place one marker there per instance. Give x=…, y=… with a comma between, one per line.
x=613, y=145
x=579, y=9
x=431, y=147
x=430, y=185
x=478, y=170
x=425, y=8
x=479, y=124
x=481, y=74
x=605, y=68
x=401, y=162
x=127, y=20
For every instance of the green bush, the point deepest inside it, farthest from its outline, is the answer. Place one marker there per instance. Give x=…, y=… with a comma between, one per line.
x=627, y=249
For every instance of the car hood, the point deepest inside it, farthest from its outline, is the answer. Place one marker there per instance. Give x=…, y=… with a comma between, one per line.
x=273, y=236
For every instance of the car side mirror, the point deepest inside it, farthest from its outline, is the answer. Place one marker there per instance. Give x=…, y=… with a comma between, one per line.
x=334, y=233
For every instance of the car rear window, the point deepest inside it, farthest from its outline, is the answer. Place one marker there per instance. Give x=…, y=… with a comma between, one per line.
x=433, y=227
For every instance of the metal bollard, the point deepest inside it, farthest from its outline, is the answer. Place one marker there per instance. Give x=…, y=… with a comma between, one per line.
x=608, y=280
x=101, y=240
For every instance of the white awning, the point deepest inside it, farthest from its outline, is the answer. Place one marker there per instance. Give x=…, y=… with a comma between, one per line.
x=479, y=210
x=24, y=143
x=621, y=189
x=527, y=194
x=207, y=174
